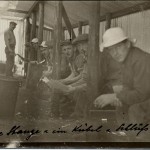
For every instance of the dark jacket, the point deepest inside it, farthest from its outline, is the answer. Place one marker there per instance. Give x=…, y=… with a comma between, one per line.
x=135, y=77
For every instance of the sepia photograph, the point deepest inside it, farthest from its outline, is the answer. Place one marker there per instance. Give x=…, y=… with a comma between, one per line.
x=74, y=74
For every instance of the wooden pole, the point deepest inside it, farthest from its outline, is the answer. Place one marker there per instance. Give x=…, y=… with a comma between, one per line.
x=27, y=30
x=58, y=38
x=68, y=23
x=80, y=28
x=108, y=21
x=41, y=24
x=27, y=40
x=93, y=52
x=33, y=28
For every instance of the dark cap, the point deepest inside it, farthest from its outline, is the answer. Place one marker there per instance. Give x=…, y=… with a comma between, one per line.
x=13, y=23
x=80, y=38
x=66, y=42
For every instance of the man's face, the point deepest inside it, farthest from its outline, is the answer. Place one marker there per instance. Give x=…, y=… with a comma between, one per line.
x=35, y=45
x=44, y=51
x=67, y=50
x=82, y=47
x=12, y=26
x=119, y=51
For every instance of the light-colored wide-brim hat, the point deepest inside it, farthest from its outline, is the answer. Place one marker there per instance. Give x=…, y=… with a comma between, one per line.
x=113, y=36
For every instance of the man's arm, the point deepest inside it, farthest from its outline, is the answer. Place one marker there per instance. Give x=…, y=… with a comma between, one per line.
x=141, y=87
x=71, y=79
x=6, y=38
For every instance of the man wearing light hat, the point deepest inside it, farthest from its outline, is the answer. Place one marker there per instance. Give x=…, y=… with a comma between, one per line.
x=10, y=42
x=132, y=98
x=34, y=49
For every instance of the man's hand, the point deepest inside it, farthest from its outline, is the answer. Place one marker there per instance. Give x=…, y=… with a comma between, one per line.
x=106, y=99
x=45, y=80
x=46, y=73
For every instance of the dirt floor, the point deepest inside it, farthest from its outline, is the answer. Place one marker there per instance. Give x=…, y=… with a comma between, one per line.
x=33, y=115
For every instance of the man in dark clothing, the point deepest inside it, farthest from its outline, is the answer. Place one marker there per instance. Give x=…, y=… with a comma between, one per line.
x=133, y=97
x=10, y=42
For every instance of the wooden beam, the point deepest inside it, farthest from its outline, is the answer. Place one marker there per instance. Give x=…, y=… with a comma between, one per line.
x=27, y=48
x=58, y=38
x=31, y=9
x=27, y=30
x=127, y=11
x=18, y=11
x=80, y=28
x=33, y=27
x=93, y=52
x=68, y=23
x=41, y=25
x=108, y=21
x=41, y=22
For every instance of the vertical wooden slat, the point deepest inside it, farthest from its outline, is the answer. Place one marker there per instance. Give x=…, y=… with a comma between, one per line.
x=93, y=52
x=33, y=27
x=41, y=24
x=58, y=37
x=108, y=21
x=80, y=28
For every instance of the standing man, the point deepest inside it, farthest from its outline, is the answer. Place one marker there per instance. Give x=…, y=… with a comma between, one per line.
x=34, y=49
x=10, y=42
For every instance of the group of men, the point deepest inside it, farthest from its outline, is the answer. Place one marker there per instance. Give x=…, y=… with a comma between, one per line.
x=125, y=70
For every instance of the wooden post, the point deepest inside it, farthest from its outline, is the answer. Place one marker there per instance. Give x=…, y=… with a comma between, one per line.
x=58, y=37
x=93, y=52
x=27, y=40
x=41, y=24
x=80, y=28
x=27, y=30
x=33, y=28
x=108, y=21
x=68, y=23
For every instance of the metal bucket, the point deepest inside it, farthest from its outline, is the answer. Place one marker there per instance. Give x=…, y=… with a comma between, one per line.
x=8, y=96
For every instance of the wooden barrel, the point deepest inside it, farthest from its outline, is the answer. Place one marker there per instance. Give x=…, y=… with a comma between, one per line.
x=8, y=96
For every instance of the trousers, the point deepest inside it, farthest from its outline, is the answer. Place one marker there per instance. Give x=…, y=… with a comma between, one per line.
x=9, y=63
x=136, y=113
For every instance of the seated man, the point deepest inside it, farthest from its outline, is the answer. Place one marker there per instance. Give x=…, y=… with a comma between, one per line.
x=74, y=79
x=133, y=99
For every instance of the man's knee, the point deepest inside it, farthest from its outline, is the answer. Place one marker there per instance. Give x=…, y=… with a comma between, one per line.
x=136, y=114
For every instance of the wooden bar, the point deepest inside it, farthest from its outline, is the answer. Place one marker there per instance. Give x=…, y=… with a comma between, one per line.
x=80, y=28
x=31, y=9
x=33, y=27
x=68, y=23
x=18, y=11
x=41, y=26
x=108, y=21
x=58, y=38
x=124, y=12
x=93, y=52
